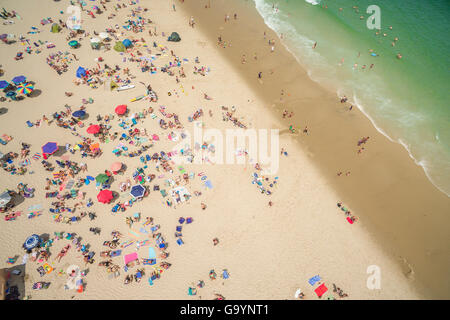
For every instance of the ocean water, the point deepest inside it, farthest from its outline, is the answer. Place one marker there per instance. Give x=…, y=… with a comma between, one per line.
x=406, y=99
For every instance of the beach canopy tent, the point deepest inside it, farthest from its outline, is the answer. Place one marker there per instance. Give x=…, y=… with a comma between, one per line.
x=102, y=178
x=105, y=196
x=113, y=85
x=19, y=79
x=55, y=28
x=116, y=166
x=175, y=37
x=81, y=72
x=50, y=148
x=127, y=43
x=137, y=191
x=5, y=199
x=119, y=47
x=32, y=242
x=95, y=43
x=79, y=114
x=120, y=110
x=3, y=84
x=25, y=88
x=93, y=129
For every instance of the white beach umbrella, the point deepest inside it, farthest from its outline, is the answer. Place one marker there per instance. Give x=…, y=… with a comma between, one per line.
x=95, y=40
x=104, y=35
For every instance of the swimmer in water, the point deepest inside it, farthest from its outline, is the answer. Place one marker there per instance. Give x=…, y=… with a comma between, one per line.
x=399, y=56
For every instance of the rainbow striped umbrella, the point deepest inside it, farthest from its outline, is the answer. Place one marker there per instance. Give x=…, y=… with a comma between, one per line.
x=25, y=88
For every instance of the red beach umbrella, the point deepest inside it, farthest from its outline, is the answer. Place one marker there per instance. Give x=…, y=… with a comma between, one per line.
x=120, y=110
x=93, y=129
x=105, y=196
x=116, y=166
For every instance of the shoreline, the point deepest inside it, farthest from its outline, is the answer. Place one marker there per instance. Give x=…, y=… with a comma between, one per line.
x=400, y=172
x=269, y=251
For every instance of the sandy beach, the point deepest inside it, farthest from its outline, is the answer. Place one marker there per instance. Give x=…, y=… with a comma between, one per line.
x=271, y=245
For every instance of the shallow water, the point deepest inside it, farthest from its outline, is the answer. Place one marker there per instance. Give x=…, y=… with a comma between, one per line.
x=406, y=99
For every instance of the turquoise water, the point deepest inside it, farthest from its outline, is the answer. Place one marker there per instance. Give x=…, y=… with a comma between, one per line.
x=406, y=99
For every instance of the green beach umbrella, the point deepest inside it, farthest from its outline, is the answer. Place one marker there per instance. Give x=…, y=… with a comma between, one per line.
x=102, y=178
x=119, y=47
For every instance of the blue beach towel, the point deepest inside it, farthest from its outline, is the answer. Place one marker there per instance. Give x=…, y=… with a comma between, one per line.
x=313, y=280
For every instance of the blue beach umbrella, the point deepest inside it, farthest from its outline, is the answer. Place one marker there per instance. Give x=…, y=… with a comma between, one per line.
x=3, y=84
x=127, y=43
x=137, y=191
x=79, y=114
x=50, y=148
x=81, y=72
x=32, y=242
x=19, y=79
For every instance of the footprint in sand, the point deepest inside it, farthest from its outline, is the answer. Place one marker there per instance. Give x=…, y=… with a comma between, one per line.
x=407, y=269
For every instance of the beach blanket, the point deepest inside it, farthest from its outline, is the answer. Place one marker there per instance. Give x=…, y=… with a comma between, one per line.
x=313, y=280
x=37, y=156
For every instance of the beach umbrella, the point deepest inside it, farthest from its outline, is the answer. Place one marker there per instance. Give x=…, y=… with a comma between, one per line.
x=102, y=178
x=137, y=191
x=79, y=113
x=127, y=43
x=95, y=40
x=81, y=72
x=3, y=84
x=31, y=242
x=74, y=44
x=93, y=129
x=116, y=166
x=119, y=47
x=19, y=79
x=5, y=198
x=120, y=110
x=50, y=148
x=25, y=88
x=103, y=35
x=105, y=196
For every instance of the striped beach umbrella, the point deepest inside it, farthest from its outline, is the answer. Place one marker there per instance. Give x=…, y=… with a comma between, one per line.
x=25, y=88
x=31, y=242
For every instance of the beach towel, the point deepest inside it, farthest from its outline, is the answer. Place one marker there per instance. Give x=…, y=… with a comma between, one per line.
x=313, y=280
x=180, y=241
x=151, y=253
x=320, y=290
x=148, y=262
x=116, y=253
x=130, y=257
x=41, y=271
x=208, y=184
x=36, y=156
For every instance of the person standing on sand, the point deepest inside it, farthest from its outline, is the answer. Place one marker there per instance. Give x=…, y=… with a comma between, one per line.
x=173, y=6
x=314, y=46
x=260, y=75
